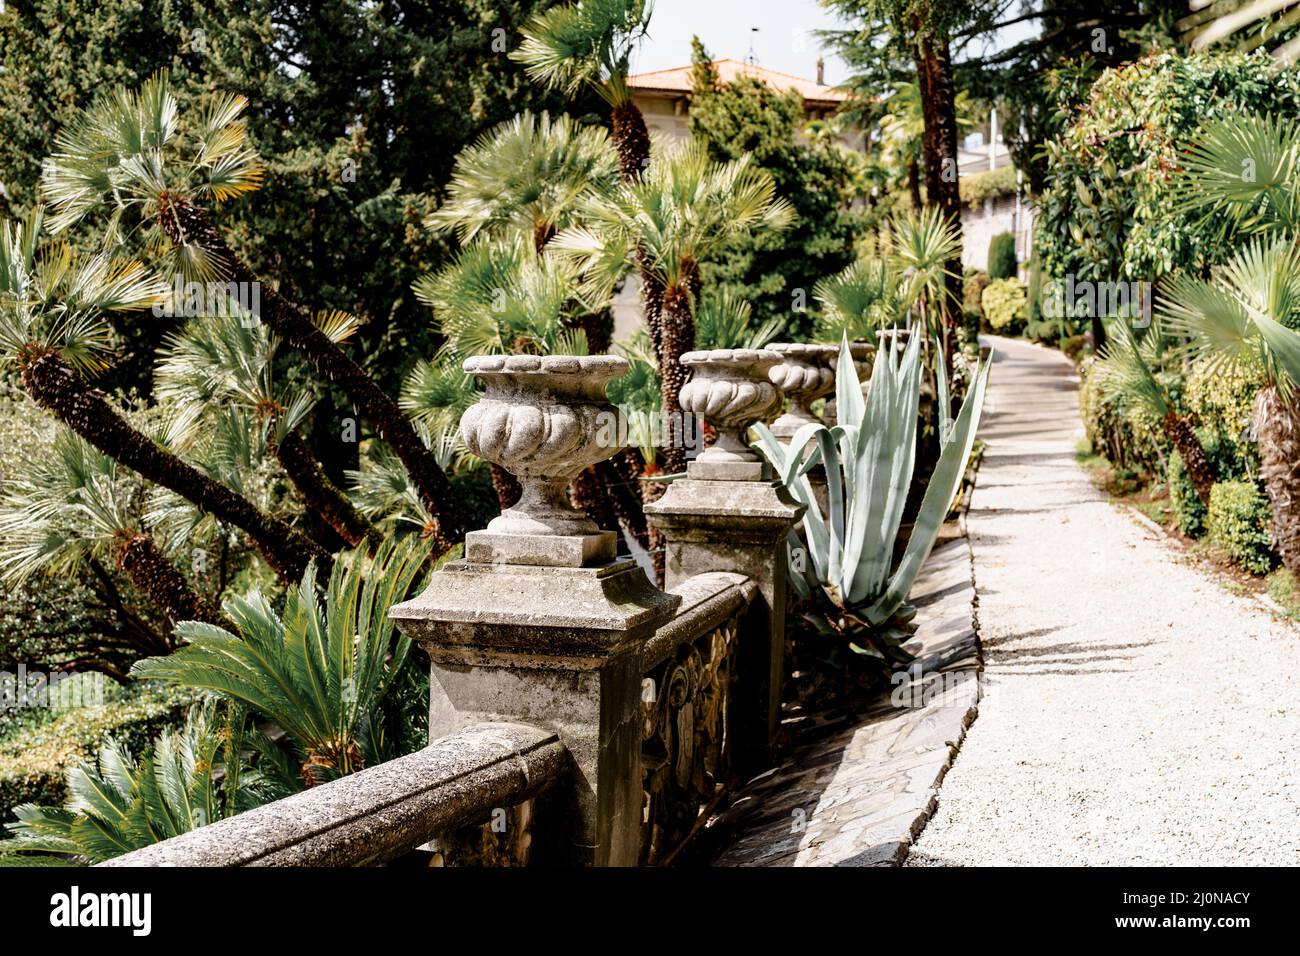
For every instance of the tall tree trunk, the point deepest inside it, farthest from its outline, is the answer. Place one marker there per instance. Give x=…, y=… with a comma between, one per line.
x=679, y=338
x=631, y=140
x=184, y=222
x=1277, y=428
x=149, y=570
x=939, y=106
x=56, y=386
x=320, y=494
x=1197, y=463
x=914, y=183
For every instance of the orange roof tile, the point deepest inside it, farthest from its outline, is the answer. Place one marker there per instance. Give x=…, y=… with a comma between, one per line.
x=678, y=80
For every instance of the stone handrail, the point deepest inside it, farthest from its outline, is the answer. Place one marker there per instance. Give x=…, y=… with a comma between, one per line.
x=379, y=813
x=708, y=600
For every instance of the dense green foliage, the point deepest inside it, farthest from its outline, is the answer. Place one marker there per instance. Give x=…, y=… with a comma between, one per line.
x=1238, y=522
x=775, y=271
x=1002, y=256
x=1109, y=211
x=1003, y=303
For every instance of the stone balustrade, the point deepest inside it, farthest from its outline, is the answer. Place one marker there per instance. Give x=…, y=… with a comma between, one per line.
x=578, y=715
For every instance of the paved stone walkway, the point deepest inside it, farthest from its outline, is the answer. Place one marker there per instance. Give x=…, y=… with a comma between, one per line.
x=1133, y=710
x=855, y=790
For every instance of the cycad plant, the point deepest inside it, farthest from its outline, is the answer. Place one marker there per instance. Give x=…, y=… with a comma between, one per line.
x=54, y=333
x=133, y=153
x=1126, y=374
x=590, y=43
x=319, y=672
x=843, y=570
x=74, y=506
x=666, y=223
x=1246, y=313
x=224, y=362
x=210, y=769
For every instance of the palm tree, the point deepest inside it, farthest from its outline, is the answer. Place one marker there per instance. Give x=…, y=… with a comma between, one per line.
x=321, y=673
x=1246, y=313
x=525, y=176
x=54, y=333
x=1124, y=375
x=131, y=152
x=226, y=362
x=73, y=507
x=590, y=44
x=1216, y=21
x=196, y=775
x=866, y=296
x=670, y=219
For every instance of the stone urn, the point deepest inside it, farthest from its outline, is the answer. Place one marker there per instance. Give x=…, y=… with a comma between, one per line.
x=543, y=419
x=806, y=373
x=731, y=389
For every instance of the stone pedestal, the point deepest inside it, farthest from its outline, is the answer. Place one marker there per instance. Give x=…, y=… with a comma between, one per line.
x=738, y=526
x=558, y=648
x=729, y=515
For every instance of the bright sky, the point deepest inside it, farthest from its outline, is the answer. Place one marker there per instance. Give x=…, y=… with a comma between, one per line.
x=784, y=40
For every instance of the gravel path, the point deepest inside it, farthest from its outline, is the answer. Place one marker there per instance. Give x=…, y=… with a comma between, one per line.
x=1134, y=710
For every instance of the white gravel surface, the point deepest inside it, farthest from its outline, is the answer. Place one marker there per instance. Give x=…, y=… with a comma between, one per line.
x=1135, y=712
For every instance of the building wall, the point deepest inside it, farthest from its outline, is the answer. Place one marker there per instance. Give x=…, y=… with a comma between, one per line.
x=978, y=226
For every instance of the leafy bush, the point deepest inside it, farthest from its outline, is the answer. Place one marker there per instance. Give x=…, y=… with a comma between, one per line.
x=1004, y=302
x=1238, y=522
x=974, y=282
x=1128, y=438
x=33, y=764
x=1002, y=256
x=1222, y=398
x=1108, y=211
x=989, y=184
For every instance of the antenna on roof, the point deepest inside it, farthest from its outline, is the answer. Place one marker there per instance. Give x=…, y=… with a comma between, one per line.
x=752, y=58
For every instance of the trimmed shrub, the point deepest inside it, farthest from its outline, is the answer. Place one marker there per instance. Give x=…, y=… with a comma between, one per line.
x=1238, y=522
x=33, y=763
x=1004, y=302
x=1002, y=256
x=1128, y=439
x=973, y=284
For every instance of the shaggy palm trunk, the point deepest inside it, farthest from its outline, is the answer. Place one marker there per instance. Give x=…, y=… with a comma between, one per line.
x=1189, y=447
x=631, y=139
x=939, y=142
x=321, y=495
x=679, y=338
x=56, y=386
x=185, y=223
x=1277, y=429
x=149, y=570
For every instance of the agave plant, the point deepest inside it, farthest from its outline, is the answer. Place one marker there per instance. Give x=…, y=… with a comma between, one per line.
x=844, y=574
x=590, y=44
x=134, y=153
x=1246, y=313
x=1124, y=371
x=53, y=331
x=212, y=768
x=321, y=673
x=223, y=363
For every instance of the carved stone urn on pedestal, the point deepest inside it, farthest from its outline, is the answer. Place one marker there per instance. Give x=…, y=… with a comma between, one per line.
x=806, y=373
x=731, y=389
x=543, y=419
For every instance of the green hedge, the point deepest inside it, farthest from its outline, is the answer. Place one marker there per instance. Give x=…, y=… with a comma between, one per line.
x=1002, y=256
x=34, y=761
x=1003, y=302
x=1238, y=522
